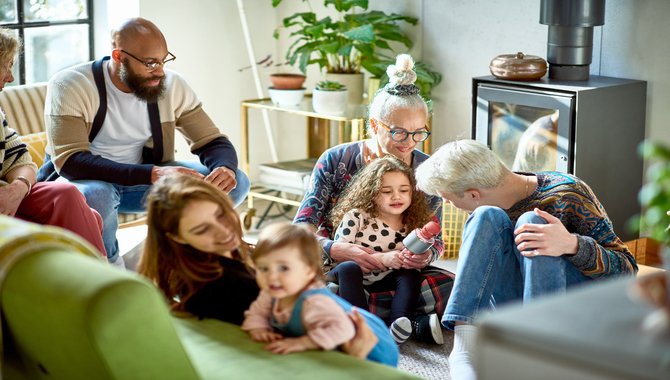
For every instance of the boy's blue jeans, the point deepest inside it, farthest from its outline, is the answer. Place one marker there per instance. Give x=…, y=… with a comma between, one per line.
x=109, y=199
x=491, y=271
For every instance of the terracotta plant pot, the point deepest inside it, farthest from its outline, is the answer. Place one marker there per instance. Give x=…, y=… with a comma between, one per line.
x=287, y=81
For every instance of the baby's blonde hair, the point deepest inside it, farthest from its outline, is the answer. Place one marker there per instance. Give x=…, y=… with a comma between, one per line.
x=285, y=234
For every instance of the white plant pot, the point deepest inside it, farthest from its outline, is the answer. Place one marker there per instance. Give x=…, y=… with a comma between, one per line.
x=329, y=102
x=283, y=97
x=354, y=84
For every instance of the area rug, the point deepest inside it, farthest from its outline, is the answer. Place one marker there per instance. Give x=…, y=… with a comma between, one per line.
x=428, y=361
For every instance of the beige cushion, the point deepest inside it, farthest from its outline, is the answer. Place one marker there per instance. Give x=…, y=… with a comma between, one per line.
x=36, y=143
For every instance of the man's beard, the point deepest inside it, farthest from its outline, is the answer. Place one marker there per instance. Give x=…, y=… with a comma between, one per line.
x=137, y=84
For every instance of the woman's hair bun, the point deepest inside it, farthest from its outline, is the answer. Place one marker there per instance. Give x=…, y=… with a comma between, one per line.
x=402, y=73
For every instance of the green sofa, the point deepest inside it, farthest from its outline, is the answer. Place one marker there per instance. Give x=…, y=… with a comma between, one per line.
x=68, y=315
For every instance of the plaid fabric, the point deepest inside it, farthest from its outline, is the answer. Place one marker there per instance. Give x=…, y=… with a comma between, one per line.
x=435, y=290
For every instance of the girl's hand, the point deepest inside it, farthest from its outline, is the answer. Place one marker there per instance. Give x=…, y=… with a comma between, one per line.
x=390, y=259
x=414, y=261
x=263, y=335
x=289, y=345
x=551, y=239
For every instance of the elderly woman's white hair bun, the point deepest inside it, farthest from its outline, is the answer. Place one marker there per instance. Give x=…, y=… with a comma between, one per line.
x=399, y=94
x=402, y=73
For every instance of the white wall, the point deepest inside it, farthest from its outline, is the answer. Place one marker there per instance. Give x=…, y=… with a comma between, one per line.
x=458, y=38
x=108, y=14
x=461, y=38
x=207, y=38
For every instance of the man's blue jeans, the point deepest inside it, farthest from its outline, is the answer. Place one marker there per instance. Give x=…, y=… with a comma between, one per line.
x=491, y=271
x=109, y=199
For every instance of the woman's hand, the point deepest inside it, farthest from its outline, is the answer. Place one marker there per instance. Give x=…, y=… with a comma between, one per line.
x=264, y=335
x=416, y=261
x=11, y=196
x=551, y=239
x=358, y=254
x=365, y=339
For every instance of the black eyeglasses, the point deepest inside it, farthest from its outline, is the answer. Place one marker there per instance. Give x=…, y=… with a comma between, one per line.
x=400, y=135
x=152, y=65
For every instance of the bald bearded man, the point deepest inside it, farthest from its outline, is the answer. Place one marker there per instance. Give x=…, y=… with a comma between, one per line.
x=111, y=126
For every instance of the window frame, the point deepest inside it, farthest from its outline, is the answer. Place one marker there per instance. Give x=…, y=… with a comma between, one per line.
x=21, y=25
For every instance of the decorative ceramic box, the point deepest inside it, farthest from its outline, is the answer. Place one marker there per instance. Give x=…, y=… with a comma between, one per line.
x=518, y=67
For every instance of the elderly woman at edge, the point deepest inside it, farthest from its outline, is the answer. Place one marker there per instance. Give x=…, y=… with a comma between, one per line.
x=57, y=204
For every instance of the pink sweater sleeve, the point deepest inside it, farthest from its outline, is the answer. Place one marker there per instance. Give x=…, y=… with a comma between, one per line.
x=258, y=315
x=326, y=322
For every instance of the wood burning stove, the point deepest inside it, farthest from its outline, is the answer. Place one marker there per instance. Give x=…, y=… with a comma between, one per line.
x=589, y=128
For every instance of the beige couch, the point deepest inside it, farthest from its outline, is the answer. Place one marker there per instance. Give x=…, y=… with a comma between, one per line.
x=24, y=108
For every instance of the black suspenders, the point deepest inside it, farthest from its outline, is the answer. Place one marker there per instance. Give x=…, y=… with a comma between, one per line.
x=152, y=107
x=47, y=172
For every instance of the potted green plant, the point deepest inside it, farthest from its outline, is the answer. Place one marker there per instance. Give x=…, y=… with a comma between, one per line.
x=655, y=219
x=329, y=97
x=655, y=194
x=286, y=89
x=356, y=39
x=287, y=81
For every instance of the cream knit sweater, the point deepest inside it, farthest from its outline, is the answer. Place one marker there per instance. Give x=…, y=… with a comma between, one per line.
x=72, y=102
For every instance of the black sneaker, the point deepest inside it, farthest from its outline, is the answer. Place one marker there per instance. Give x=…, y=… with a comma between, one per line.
x=427, y=329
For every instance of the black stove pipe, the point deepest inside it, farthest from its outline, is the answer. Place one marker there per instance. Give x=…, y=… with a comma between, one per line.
x=570, y=35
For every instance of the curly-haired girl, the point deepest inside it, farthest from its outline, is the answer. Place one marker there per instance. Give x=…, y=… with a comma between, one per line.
x=377, y=210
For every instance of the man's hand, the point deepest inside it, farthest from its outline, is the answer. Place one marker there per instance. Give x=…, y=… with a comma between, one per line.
x=161, y=171
x=358, y=254
x=415, y=261
x=223, y=178
x=551, y=239
x=11, y=196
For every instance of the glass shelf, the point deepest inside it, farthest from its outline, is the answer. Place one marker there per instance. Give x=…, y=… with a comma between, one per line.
x=353, y=111
x=350, y=126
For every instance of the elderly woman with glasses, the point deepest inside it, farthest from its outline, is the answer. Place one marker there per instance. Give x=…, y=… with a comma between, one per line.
x=397, y=122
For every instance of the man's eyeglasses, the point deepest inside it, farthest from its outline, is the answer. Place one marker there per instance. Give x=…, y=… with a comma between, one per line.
x=152, y=65
x=400, y=135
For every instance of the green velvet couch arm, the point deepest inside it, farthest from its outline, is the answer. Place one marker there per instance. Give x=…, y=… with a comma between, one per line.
x=68, y=315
